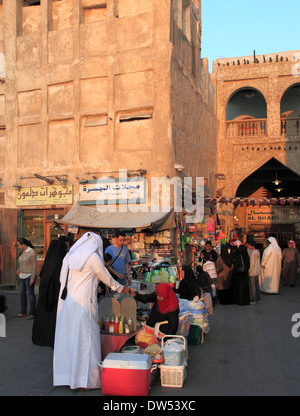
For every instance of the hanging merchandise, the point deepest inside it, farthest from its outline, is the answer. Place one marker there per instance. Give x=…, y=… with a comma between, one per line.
x=210, y=226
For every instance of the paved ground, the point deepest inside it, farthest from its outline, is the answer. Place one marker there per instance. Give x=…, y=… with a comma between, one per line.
x=250, y=351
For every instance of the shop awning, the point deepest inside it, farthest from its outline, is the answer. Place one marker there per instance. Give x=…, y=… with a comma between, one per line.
x=90, y=216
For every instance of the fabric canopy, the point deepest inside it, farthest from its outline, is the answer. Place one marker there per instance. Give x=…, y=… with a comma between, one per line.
x=91, y=216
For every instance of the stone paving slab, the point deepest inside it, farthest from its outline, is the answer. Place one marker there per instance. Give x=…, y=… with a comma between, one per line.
x=249, y=351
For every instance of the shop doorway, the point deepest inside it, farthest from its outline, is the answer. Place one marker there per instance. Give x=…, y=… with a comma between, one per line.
x=272, y=187
x=38, y=227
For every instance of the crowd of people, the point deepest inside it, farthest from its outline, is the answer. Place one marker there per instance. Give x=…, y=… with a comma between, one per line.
x=73, y=277
x=241, y=273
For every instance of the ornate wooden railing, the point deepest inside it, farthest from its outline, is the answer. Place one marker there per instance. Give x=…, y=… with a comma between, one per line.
x=247, y=128
x=290, y=126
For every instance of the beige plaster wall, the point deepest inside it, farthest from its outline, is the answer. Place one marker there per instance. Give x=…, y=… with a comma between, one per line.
x=76, y=68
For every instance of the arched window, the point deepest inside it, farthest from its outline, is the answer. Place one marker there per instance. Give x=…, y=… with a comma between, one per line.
x=246, y=114
x=290, y=111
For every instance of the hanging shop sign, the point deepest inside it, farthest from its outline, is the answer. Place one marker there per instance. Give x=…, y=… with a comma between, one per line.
x=272, y=215
x=45, y=195
x=113, y=191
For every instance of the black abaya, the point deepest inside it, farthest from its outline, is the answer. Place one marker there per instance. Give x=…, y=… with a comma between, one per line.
x=240, y=280
x=45, y=316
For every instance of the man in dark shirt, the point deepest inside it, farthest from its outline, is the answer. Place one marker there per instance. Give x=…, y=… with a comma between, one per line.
x=209, y=253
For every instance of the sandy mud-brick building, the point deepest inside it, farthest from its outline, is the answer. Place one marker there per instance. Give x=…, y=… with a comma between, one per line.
x=258, y=107
x=89, y=87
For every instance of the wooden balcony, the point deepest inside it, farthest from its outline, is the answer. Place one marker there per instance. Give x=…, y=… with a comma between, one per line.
x=290, y=127
x=247, y=128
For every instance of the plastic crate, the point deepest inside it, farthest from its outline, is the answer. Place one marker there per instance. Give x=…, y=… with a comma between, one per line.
x=172, y=376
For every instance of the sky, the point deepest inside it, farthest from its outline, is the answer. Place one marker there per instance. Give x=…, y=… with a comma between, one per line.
x=235, y=28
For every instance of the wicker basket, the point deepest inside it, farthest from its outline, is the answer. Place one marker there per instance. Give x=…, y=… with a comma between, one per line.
x=172, y=376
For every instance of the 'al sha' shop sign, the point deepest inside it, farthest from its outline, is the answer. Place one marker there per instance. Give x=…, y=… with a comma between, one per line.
x=113, y=191
x=273, y=215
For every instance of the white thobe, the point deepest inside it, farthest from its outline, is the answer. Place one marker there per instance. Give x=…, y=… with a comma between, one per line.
x=77, y=347
x=269, y=277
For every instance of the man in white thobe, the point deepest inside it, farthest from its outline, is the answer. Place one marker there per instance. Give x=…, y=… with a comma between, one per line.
x=77, y=347
x=269, y=278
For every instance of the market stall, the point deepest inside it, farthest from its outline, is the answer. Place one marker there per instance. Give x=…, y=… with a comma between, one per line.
x=157, y=242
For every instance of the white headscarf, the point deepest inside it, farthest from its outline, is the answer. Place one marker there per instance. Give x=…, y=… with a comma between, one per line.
x=82, y=249
x=274, y=243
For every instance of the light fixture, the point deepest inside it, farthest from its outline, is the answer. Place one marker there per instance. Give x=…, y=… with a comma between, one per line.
x=44, y=178
x=17, y=185
x=279, y=189
x=276, y=182
x=83, y=180
x=62, y=178
x=129, y=173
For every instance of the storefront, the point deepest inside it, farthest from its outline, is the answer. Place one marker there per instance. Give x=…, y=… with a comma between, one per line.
x=36, y=225
x=37, y=209
x=270, y=217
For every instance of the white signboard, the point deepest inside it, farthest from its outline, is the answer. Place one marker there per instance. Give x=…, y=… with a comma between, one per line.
x=113, y=191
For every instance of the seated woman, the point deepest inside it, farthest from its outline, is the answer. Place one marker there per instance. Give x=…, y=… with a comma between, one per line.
x=165, y=308
x=188, y=287
x=204, y=280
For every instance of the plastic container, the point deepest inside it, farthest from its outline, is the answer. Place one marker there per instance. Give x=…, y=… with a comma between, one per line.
x=174, y=358
x=106, y=324
x=116, y=326
x=125, y=374
x=121, y=325
x=131, y=349
x=173, y=376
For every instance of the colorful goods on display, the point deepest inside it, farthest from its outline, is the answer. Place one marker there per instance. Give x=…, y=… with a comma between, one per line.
x=164, y=275
x=197, y=313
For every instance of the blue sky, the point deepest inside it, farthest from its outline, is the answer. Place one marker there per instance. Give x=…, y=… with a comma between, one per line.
x=232, y=28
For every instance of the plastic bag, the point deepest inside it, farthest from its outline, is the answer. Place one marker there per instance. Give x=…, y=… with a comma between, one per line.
x=146, y=337
x=173, y=351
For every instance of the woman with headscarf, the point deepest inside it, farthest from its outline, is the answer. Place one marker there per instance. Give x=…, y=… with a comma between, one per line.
x=165, y=308
x=240, y=278
x=203, y=279
x=224, y=267
x=43, y=329
x=188, y=287
x=269, y=278
x=77, y=347
x=290, y=262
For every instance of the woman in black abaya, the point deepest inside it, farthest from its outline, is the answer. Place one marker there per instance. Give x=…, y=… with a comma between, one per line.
x=224, y=267
x=188, y=286
x=240, y=278
x=45, y=316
